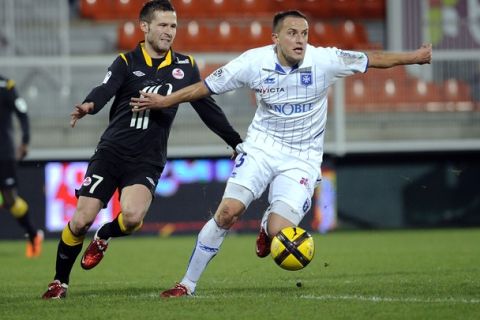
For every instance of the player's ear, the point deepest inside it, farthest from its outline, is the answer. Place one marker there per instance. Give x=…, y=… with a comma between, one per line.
x=144, y=26
x=275, y=38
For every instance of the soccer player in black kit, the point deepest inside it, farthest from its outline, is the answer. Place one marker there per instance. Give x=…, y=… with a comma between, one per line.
x=11, y=103
x=132, y=151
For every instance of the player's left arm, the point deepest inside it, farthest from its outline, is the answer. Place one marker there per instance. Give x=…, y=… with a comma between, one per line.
x=383, y=59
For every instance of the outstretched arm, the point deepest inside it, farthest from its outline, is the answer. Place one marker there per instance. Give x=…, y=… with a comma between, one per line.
x=156, y=101
x=422, y=55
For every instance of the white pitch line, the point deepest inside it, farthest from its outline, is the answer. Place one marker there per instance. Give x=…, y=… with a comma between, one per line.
x=390, y=299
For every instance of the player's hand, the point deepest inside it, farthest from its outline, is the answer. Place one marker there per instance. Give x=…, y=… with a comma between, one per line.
x=79, y=111
x=22, y=151
x=148, y=101
x=424, y=54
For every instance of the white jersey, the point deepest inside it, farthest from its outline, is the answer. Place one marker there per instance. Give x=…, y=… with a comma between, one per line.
x=291, y=103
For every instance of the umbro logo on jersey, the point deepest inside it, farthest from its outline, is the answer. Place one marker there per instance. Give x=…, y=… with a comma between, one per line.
x=138, y=73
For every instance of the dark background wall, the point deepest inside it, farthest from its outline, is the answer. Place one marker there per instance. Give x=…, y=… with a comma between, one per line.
x=405, y=190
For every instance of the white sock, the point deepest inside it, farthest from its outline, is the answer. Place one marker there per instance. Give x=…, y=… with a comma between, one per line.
x=264, y=222
x=208, y=243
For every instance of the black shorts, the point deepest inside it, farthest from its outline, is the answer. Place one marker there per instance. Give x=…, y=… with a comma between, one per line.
x=8, y=174
x=106, y=172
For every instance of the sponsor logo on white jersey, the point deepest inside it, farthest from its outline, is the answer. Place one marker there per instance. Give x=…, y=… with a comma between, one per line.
x=269, y=90
x=218, y=73
x=178, y=73
x=290, y=108
x=138, y=73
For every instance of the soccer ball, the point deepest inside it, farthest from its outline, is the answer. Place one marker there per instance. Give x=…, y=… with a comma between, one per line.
x=292, y=248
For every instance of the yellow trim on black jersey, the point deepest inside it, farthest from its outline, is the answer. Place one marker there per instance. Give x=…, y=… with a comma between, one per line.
x=148, y=59
x=146, y=56
x=124, y=58
x=10, y=84
x=167, y=61
x=192, y=61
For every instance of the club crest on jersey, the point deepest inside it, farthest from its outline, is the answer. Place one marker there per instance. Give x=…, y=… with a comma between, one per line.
x=87, y=181
x=178, y=73
x=306, y=78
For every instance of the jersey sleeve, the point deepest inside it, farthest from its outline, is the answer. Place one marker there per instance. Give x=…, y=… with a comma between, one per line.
x=231, y=76
x=113, y=80
x=343, y=63
x=195, y=71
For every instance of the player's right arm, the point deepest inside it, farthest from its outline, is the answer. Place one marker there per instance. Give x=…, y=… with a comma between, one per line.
x=156, y=101
x=233, y=75
x=100, y=95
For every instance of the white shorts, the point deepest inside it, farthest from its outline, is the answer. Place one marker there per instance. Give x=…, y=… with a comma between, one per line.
x=291, y=179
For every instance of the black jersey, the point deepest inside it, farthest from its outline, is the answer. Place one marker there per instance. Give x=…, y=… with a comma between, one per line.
x=143, y=136
x=11, y=103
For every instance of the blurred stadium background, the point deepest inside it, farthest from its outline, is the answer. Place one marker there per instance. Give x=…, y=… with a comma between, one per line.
x=402, y=145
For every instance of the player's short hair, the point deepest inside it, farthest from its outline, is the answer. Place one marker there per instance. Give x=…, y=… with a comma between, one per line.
x=279, y=17
x=149, y=8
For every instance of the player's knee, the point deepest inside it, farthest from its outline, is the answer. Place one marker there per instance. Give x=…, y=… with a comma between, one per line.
x=19, y=207
x=80, y=226
x=81, y=222
x=130, y=223
x=281, y=216
x=229, y=213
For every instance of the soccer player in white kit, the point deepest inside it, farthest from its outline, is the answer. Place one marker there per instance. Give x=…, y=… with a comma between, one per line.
x=284, y=144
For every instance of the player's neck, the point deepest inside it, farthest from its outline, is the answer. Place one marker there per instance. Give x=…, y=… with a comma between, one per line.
x=153, y=53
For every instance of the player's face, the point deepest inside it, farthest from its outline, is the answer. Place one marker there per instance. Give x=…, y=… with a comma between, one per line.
x=291, y=40
x=161, y=31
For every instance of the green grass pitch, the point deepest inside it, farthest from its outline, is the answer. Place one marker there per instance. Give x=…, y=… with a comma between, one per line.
x=419, y=274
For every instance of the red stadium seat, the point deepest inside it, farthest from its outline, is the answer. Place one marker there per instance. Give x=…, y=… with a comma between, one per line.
x=97, y=9
x=224, y=8
x=424, y=96
x=128, y=9
x=128, y=35
x=258, y=34
x=229, y=37
x=312, y=8
x=324, y=35
x=195, y=37
x=373, y=9
x=457, y=95
x=254, y=8
x=352, y=35
x=192, y=9
x=349, y=9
